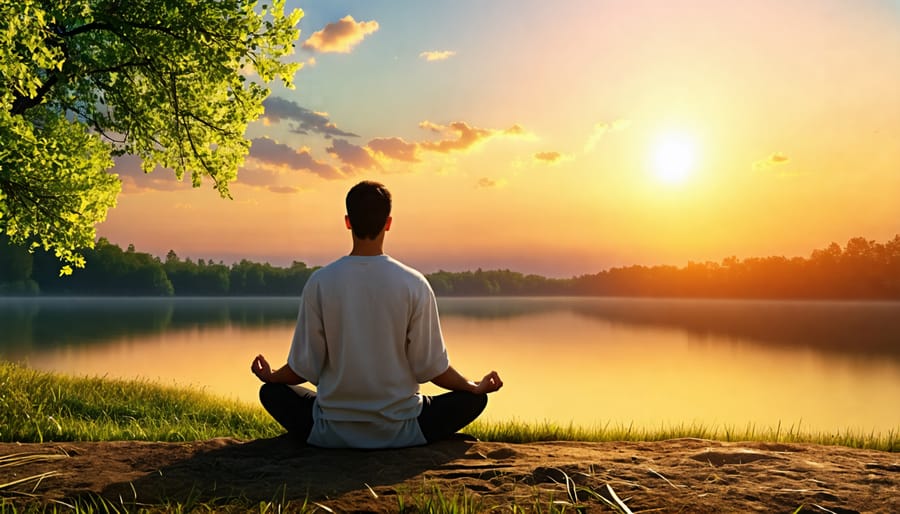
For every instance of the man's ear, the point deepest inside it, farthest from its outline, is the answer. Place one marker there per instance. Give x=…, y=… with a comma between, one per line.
x=387, y=224
x=347, y=222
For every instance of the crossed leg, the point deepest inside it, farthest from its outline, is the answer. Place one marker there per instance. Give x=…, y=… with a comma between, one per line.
x=441, y=417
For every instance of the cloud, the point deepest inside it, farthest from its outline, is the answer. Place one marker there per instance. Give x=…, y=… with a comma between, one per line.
x=458, y=136
x=340, y=36
x=353, y=156
x=600, y=129
x=433, y=127
x=306, y=121
x=134, y=180
x=775, y=159
x=548, y=157
x=260, y=176
x=437, y=55
x=487, y=183
x=467, y=137
x=515, y=130
x=394, y=148
x=284, y=189
x=267, y=151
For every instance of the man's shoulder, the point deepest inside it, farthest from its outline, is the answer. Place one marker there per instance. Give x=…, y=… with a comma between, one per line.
x=321, y=273
x=402, y=267
x=407, y=272
x=384, y=265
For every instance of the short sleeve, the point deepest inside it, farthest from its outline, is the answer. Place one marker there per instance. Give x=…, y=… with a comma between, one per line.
x=425, y=347
x=308, y=349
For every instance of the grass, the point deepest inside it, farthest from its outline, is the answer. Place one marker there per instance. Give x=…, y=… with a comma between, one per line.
x=519, y=432
x=38, y=406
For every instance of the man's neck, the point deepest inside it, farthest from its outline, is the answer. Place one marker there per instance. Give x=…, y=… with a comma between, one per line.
x=367, y=247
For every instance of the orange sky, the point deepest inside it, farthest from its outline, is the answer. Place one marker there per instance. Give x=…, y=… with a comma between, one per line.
x=560, y=138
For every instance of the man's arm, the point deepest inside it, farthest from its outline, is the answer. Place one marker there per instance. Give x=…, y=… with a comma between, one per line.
x=452, y=380
x=283, y=375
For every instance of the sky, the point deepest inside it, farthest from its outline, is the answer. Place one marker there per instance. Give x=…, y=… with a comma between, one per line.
x=558, y=138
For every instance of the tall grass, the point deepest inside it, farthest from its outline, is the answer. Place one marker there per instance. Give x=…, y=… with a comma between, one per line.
x=519, y=432
x=38, y=406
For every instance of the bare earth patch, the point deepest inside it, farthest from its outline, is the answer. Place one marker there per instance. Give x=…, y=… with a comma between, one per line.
x=681, y=475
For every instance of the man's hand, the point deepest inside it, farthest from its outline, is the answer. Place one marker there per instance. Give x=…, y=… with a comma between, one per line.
x=260, y=367
x=283, y=375
x=490, y=383
x=453, y=381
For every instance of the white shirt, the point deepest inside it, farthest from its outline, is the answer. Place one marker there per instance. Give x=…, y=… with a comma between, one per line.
x=367, y=335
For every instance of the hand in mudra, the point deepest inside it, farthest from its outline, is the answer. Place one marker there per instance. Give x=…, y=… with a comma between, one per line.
x=261, y=368
x=490, y=383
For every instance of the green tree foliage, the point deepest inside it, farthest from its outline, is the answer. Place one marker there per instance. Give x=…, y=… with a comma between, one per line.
x=199, y=279
x=111, y=271
x=16, y=265
x=492, y=283
x=165, y=80
x=863, y=269
x=252, y=278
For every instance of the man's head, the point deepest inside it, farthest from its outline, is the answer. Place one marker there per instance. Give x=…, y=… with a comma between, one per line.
x=368, y=209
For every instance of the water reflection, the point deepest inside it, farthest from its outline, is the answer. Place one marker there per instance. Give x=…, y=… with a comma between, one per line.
x=47, y=322
x=858, y=328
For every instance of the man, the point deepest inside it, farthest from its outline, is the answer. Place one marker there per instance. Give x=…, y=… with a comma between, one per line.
x=367, y=335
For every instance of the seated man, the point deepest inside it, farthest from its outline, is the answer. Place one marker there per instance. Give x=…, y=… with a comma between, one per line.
x=367, y=335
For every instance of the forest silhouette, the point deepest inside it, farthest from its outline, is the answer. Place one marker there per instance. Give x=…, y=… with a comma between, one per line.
x=862, y=269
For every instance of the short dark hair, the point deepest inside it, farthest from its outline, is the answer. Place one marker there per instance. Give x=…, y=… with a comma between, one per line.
x=368, y=207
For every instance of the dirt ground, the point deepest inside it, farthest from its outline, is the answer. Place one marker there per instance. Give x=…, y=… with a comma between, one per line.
x=682, y=475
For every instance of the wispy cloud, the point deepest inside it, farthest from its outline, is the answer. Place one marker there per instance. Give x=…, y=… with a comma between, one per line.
x=433, y=127
x=284, y=189
x=353, y=156
x=457, y=137
x=488, y=183
x=340, y=36
x=517, y=130
x=437, y=55
x=466, y=137
x=601, y=129
x=394, y=148
x=134, y=180
x=266, y=151
x=771, y=161
x=305, y=120
x=548, y=157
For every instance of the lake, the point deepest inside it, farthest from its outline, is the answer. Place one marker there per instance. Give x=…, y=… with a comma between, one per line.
x=592, y=361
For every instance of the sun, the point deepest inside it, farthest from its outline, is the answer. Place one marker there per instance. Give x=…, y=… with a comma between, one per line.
x=674, y=157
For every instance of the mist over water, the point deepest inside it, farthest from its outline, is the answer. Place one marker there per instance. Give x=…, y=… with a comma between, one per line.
x=822, y=365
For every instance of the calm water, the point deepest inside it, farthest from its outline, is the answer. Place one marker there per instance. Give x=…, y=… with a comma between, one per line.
x=824, y=365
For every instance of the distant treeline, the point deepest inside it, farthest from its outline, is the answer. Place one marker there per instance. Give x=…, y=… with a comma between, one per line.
x=109, y=270
x=863, y=269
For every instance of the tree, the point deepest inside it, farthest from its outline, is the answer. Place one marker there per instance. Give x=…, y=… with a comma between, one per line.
x=85, y=80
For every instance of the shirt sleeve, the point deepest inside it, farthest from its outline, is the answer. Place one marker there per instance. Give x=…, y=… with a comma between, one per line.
x=425, y=347
x=308, y=349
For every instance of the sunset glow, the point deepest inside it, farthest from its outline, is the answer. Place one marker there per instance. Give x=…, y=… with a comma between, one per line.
x=674, y=158
x=559, y=139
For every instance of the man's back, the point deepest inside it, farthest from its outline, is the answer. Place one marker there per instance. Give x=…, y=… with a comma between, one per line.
x=367, y=335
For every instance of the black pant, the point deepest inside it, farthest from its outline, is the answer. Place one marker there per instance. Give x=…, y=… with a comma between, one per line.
x=441, y=415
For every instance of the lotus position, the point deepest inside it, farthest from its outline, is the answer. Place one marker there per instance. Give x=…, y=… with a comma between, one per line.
x=367, y=335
